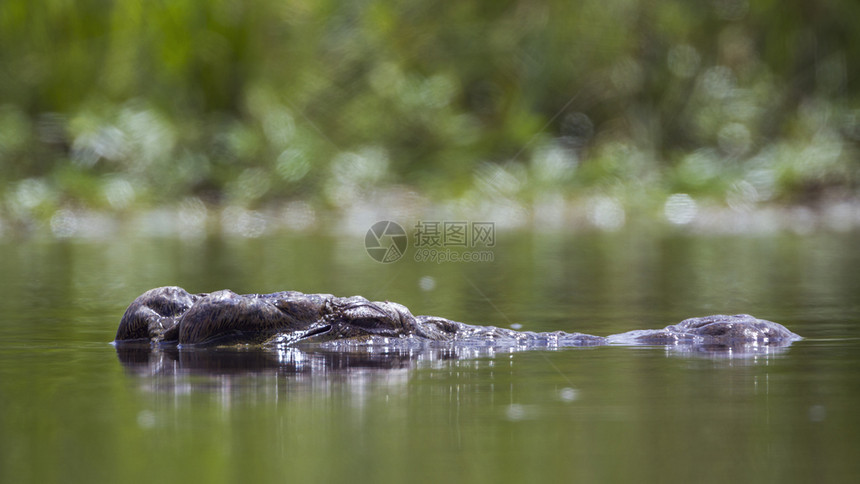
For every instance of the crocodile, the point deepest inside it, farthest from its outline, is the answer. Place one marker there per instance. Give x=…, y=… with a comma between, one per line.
x=171, y=316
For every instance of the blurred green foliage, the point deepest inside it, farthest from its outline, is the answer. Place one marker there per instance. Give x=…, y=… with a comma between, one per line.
x=119, y=104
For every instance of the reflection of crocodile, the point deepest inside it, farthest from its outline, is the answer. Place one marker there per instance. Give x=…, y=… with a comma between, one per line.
x=170, y=315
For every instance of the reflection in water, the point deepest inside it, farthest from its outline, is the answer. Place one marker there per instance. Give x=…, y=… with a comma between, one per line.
x=181, y=370
x=746, y=354
x=281, y=360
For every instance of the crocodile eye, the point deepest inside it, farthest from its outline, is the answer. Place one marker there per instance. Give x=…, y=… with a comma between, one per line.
x=370, y=323
x=368, y=316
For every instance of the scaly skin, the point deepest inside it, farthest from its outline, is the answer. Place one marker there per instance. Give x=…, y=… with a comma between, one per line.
x=170, y=315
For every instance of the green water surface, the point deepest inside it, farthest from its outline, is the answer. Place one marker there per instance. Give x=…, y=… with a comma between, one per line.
x=72, y=411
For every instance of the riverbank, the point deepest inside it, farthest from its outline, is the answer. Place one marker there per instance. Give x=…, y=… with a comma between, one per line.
x=192, y=218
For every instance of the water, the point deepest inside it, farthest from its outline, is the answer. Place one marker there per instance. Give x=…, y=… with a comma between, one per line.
x=74, y=410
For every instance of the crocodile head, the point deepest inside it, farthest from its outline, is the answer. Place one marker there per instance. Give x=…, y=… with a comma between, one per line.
x=172, y=315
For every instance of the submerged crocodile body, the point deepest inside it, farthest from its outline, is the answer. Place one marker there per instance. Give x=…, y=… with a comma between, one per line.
x=172, y=316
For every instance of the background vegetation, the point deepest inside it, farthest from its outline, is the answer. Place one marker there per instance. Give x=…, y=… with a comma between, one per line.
x=116, y=105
